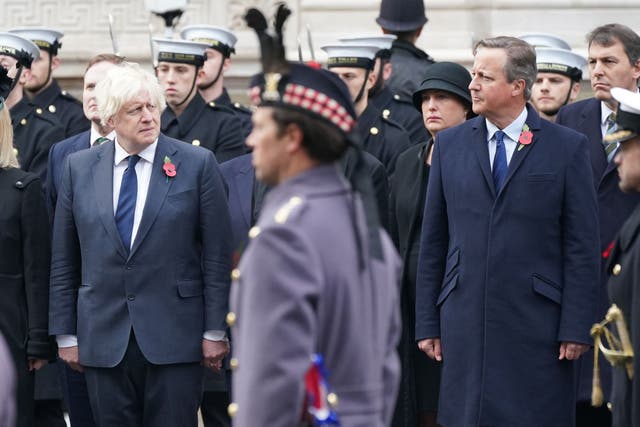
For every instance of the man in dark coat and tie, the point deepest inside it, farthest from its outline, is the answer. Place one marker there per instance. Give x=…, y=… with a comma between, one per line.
x=140, y=271
x=614, y=61
x=508, y=264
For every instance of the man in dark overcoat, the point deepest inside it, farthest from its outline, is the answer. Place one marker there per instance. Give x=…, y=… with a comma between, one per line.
x=508, y=264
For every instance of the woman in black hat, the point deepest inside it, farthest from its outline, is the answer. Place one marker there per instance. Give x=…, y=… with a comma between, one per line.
x=444, y=100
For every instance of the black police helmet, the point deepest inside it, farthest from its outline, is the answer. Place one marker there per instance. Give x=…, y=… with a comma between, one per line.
x=401, y=15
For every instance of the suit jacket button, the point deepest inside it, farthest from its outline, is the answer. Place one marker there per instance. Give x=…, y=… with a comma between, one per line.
x=232, y=409
x=253, y=232
x=235, y=274
x=616, y=269
x=233, y=363
x=231, y=319
x=39, y=110
x=386, y=113
x=195, y=142
x=374, y=130
x=131, y=297
x=52, y=108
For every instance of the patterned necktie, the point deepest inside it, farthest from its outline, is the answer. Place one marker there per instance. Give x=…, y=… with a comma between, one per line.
x=127, y=202
x=100, y=141
x=499, y=162
x=610, y=147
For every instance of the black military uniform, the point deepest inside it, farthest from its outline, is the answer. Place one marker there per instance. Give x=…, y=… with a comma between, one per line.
x=244, y=113
x=409, y=62
x=208, y=125
x=382, y=137
x=67, y=109
x=402, y=112
x=223, y=41
x=200, y=123
x=624, y=270
x=34, y=132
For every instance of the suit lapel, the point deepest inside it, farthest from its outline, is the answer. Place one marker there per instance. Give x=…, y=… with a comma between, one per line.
x=481, y=149
x=103, y=190
x=533, y=121
x=159, y=186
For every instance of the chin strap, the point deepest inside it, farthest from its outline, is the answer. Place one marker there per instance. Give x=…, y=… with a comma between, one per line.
x=364, y=84
x=212, y=82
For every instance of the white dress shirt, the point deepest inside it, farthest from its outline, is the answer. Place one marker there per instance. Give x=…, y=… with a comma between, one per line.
x=512, y=134
x=95, y=135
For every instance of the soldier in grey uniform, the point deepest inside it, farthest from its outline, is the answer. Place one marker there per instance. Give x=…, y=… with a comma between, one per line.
x=405, y=19
x=187, y=116
x=379, y=135
x=211, y=80
x=318, y=276
x=43, y=90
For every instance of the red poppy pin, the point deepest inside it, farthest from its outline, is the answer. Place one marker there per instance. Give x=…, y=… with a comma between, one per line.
x=526, y=137
x=607, y=251
x=169, y=168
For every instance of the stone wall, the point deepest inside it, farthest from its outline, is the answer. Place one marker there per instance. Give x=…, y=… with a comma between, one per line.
x=453, y=26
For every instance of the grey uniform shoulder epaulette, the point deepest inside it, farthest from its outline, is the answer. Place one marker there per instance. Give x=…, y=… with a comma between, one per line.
x=287, y=212
x=219, y=107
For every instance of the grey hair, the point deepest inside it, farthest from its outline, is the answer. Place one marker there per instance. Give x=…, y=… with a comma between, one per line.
x=122, y=84
x=521, y=59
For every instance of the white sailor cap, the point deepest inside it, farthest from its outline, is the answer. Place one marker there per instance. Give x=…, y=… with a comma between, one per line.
x=45, y=38
x=351, y=55
x=545, y=40
x=627, y=117
x=560, y=61
x=217, y=38
x=25, y=51
x=382, y=41
x=180, y=51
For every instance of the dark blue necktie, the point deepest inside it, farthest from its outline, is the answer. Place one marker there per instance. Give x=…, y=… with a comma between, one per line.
x=127, y=202
x=499, y=162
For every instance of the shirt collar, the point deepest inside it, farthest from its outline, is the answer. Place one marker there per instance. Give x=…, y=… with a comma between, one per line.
x=95, y=135
x=147, y=154
x=514, y=129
